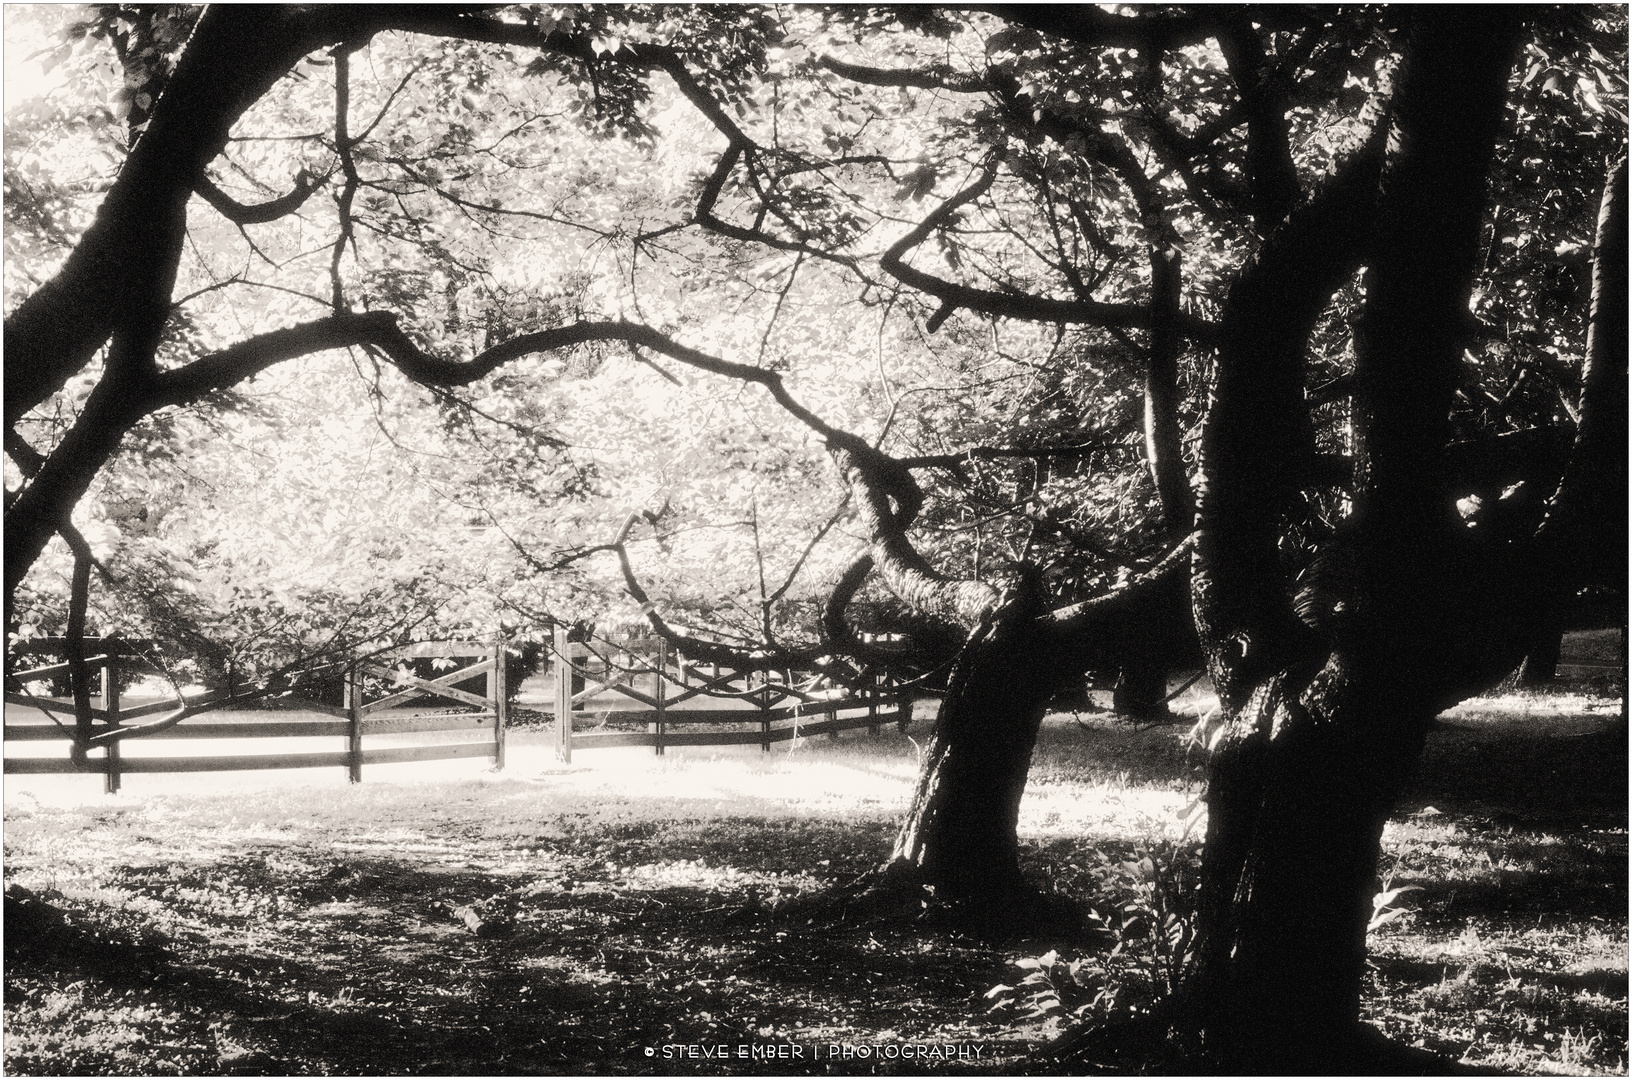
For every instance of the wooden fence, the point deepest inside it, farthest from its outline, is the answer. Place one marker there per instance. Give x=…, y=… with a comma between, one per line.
x=355, y=721
x=760, y=707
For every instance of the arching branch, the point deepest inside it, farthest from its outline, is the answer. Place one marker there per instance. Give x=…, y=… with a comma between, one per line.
x=768, y=656
x=879, y=480
x=260, y=213
x=1011, y=305
x=934, y=77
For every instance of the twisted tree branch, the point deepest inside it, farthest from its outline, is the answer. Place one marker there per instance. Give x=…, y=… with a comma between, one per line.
x=260, y=213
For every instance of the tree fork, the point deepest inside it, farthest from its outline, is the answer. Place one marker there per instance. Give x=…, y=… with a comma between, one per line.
x=1322, y=741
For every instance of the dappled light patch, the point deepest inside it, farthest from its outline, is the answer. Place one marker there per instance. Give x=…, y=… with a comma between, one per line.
x=563, y=921
x=1511, y=952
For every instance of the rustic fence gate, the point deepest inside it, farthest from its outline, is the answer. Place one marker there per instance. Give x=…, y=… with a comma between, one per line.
x=765, y=706
x=355, y=720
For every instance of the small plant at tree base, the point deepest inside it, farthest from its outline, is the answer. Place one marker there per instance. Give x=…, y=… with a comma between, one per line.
x=1056, y=990
x=1149, y=919
x=1385, y=907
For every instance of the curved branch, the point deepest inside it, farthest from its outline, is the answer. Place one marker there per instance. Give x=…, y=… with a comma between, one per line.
x=764, y=658
x=380, y=329
x=1176, y=148
x=1174, y=564
x=835, y=627
x=1012, y=305
x=877, y=477
x=260, y=213
x=705, y=216
x=936, y=77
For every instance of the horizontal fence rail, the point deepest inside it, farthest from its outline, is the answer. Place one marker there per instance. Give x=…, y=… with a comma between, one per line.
x=769, y=707
x=482, y=719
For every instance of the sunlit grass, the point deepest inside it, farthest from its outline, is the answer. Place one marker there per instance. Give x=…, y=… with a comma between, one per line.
x=1515, y=831
x=1514, y=952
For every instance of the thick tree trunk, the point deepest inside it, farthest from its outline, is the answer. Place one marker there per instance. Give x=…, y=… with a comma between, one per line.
x=1298, y=817
x=1141, y=692
x=1328, y=716
x=960, y=835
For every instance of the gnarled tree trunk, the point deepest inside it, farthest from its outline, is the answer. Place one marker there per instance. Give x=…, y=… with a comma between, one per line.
x=960, y=835
x=1328, y=712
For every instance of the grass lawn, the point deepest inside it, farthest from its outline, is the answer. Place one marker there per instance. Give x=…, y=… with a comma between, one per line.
x=556, y=918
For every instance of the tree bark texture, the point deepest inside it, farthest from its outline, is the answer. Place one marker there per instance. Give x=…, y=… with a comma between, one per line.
x=1328, y=710
x=960, y=834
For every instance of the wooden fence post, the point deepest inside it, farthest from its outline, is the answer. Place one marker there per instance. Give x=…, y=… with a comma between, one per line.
x=354, y=706
x=764, y=708
x=872, y=705
x=833, y=713
x=110, y=702
x=660, y=695
x=498, y=691
x=904, y=710
x=563, y=695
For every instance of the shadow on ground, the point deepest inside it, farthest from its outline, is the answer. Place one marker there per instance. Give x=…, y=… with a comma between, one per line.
x=313, y=964
x=446, y=935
